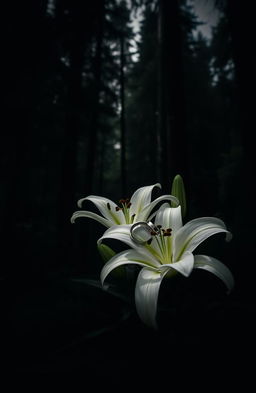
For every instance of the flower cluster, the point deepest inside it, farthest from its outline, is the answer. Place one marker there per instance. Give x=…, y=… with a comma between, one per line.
x=160, y=248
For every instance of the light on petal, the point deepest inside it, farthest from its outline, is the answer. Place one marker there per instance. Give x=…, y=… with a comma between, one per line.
x=146, y=295
x=195, y=232
x=185, y=265
x=216, y=267
x=127, y=257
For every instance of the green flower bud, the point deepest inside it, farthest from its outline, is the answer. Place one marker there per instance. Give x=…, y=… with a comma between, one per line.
x=106, y=252
x=178, y=190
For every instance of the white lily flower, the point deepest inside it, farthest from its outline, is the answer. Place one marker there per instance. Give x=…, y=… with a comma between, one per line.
x=138, y=208
x=169, y=249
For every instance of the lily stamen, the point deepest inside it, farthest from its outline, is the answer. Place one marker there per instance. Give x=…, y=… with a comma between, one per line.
x=125, y=206
x=167, y=232
x=160, y=234
x=132, y=218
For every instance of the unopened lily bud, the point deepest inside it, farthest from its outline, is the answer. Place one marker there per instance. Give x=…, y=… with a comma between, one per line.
x=106, y=252
x=178, y=190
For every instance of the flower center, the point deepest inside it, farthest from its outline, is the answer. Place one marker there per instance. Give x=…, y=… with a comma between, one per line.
x=163, y=242
x=124, y=205
x=144, y=233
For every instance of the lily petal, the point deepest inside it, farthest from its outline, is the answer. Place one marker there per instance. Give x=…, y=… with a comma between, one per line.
x=106, y=207
x=216, y=267
x=169, y=217
x=184, y=266
x=130, y=257
x=144, y=214
x=146, y=295
x=141, y=198
x=195, y=232
x=119, y=232
x=94, y=216
x=122, y=233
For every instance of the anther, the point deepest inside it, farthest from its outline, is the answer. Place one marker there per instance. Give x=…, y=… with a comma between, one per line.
x=167, y=232
x=132, y=217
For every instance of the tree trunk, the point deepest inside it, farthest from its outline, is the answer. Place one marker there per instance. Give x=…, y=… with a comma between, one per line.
x=241, y=21
x=68, y=171
x=242, y=29
x=171, y=94
x=93, y=136
x=22, y=63
x=76, y=48
x=122, y=120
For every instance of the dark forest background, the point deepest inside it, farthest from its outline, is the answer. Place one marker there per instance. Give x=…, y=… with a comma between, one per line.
x=92, y=107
